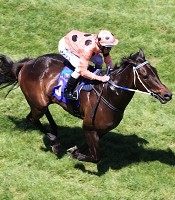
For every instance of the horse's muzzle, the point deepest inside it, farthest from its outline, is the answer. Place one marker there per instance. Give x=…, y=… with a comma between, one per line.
x=163, y=98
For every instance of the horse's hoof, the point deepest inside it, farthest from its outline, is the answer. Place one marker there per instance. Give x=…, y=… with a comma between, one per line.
x=72, y=149
x=55, y=148
x=51, y=137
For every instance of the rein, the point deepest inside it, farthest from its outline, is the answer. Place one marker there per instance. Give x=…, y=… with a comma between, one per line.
x=100, y=97
x=136, y=75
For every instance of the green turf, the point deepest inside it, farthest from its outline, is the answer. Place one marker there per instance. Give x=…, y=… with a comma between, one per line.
x=138, y=157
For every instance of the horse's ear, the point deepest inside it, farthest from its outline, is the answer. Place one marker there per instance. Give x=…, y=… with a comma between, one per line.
x=141, y=53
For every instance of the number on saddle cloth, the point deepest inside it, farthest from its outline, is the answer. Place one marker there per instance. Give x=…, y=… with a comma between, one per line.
x=58, y=90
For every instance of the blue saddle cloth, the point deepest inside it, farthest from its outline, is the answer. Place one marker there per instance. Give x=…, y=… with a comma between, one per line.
x=83, y=84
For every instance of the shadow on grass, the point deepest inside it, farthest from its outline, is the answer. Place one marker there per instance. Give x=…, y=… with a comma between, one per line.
x=117, y=150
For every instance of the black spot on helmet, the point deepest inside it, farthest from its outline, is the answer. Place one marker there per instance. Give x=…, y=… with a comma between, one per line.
x=88, y=42
x=87, y=34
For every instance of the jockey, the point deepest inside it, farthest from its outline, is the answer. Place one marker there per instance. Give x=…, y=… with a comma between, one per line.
x=79, y=48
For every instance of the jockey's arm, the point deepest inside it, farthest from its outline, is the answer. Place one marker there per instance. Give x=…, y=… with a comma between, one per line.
x=89, y=75
x=84, y=72
x=83, y=66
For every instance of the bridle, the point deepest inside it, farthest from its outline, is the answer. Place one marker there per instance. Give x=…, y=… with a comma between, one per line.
x=136, y=75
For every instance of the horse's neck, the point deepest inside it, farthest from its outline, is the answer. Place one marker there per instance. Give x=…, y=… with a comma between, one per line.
x=123, y=77
x=119, y=97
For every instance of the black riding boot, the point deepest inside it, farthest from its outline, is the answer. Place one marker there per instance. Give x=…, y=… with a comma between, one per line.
x=68, y=91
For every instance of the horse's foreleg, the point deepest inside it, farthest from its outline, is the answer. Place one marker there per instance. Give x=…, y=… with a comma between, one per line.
x=93, y=144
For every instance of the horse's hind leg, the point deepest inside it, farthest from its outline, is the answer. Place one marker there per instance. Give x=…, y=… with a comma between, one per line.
x=34, y=117
x=52, y=123
x=36, y=122
x=55, y=146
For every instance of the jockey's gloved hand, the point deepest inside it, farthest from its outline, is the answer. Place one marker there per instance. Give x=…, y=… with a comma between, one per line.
x=104, y=78
x=111, y=68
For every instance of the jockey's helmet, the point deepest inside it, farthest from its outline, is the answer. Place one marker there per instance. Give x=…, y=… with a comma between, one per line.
x=106, y=38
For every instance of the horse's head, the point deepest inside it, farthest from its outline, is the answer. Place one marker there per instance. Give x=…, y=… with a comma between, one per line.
x=145, y=77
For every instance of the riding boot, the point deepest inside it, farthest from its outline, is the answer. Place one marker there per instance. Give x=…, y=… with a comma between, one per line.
x=68, y=91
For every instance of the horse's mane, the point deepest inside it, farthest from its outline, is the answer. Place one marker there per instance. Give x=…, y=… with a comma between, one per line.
x=118, y=67
x=125, y=60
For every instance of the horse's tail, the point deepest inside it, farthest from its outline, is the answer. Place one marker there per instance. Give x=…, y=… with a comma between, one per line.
x=7, y=76
x=9, y=72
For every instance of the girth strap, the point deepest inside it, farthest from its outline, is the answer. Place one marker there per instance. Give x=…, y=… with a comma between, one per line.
x=107, y=103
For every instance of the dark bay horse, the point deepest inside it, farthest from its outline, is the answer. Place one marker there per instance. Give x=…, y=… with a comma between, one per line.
x=37, y=77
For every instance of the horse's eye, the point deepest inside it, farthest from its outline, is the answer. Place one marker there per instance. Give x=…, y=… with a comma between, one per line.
x=143, y=73
x=145, y=76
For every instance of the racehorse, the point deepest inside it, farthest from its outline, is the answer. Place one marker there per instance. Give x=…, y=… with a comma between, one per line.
x=101, y=109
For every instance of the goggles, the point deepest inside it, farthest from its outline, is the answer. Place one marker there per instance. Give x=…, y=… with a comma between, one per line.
x=106, y=48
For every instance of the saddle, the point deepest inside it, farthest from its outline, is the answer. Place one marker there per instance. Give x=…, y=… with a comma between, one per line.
x=82, y=84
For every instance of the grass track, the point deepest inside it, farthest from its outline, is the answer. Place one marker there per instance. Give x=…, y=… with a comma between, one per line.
x=138, y=156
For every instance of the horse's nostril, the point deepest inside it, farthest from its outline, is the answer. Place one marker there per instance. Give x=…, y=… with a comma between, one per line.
x=168, y=96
